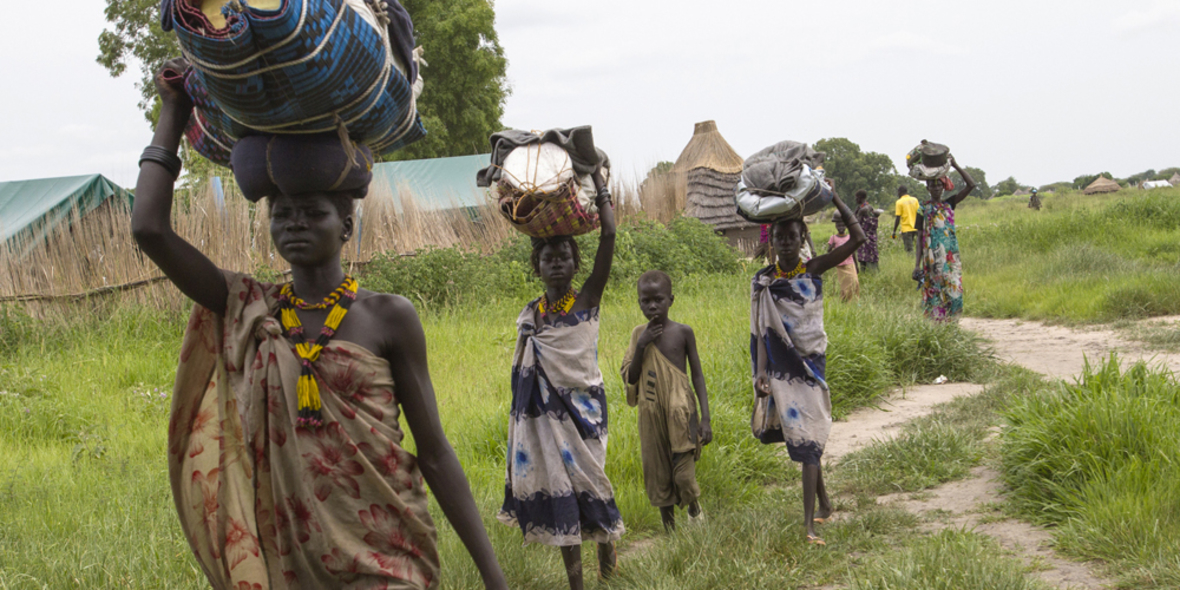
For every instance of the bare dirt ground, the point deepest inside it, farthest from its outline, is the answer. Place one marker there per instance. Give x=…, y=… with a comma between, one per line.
x=973, y=503
x=1060, y=352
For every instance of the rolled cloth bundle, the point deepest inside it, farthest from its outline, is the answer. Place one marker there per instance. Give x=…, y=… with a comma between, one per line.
x=298, y=67
x=267, y=166
x=783, y=180
x=543, y=181
x=929, y=161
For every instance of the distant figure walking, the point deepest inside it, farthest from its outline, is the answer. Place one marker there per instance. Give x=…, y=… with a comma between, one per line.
x=867, y=216
x=905, y=213
x=846, y=276
x=1034, y=200
x=937, y=266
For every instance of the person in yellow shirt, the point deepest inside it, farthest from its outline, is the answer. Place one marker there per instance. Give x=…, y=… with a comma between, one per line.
x=905, y=214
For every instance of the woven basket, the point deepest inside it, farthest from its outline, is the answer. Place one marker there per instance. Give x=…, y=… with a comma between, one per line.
x=544, y=215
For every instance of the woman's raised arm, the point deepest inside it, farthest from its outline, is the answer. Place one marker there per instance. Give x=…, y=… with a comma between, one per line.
x=968, y=185
x=595, y=284
x=151, y=217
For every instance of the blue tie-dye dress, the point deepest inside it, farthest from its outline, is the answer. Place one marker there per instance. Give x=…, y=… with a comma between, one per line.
x=787, y=319
x=557, y=491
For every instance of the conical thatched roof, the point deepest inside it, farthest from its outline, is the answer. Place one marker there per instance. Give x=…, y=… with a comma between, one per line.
x=1102, y=184
x=707, y=149
x=1175, y=179
x=710, y=198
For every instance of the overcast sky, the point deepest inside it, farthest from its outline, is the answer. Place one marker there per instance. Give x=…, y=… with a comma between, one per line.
x=1041, y=90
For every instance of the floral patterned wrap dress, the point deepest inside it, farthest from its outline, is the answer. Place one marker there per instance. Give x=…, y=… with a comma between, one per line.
x=557, y=491
x=267, y=505
x=942, y=269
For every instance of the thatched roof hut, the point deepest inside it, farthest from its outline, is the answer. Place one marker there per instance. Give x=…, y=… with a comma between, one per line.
x=1102, y=184
x=1175, y=179
x=710, y=169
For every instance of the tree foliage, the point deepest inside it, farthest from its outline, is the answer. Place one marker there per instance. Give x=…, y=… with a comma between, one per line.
x=465, y=87
x=466, y=82
x=853, y=169
x=1008, y=186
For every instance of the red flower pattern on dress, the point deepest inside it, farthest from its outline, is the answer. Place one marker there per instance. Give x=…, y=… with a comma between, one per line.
x=339, y=565
x=240, y=543
x=197, y=432
x=304, y=519
x=387, y=531
x=329, y=464
x=202, y=332
x=248, y=586
x=205, y=488
x=393, y=462
x=277, y=435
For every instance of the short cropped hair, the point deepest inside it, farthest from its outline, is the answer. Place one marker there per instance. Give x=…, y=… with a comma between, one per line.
x=655, y=277
x=540, y=243
x=862, y=195
x=782, y=224
x=344, y=202
x=902, y=189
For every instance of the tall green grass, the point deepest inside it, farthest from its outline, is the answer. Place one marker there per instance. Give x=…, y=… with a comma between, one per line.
x=948, y=560
x=83, y=420
x=1101, y=459
x=1080, y=259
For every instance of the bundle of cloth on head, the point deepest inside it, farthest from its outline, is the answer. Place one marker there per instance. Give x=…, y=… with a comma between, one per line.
x=783, y=180
x=929, y=161
x=297, y=67
x=543, y=182
x=292, y=165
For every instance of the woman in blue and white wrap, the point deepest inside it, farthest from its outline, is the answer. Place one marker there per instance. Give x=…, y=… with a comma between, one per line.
x=788, y=351
x=557, y=491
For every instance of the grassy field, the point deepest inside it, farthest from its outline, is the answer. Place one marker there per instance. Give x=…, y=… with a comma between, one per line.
x=83, y=414
x=84, y=402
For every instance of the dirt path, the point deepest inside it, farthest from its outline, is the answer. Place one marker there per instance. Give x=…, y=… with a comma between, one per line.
x=1054, y=351
x=1060, y=352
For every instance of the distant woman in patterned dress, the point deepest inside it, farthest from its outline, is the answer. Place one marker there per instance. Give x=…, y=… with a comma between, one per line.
x=937, y=267
x=866, y=256
x=556, y=490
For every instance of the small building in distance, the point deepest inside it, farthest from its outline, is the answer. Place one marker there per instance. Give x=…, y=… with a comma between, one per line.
x=1102, y=184
x=1150, y=184
x=31, y=209
x=1175, y=179
x=708, y=170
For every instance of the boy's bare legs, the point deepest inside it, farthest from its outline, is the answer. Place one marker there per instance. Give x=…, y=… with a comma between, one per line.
x=668, y=517
x=572, y=556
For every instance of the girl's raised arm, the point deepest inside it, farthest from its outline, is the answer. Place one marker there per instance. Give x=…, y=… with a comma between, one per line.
x=596, y=282
x=968, y=185
x=821, y=264
x=151, y=217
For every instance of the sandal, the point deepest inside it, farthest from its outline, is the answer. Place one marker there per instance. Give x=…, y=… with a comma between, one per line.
x=814, y=540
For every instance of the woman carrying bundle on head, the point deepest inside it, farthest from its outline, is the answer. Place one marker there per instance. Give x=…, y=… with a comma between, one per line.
x=556, y=488
x=285, y=448
x=788, y=347
x=937, y=266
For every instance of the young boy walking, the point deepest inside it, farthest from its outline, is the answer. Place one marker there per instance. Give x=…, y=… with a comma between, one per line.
x=670, y=434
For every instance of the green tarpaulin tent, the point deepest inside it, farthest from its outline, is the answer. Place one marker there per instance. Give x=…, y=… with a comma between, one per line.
x=438, y=183
x=32, y=208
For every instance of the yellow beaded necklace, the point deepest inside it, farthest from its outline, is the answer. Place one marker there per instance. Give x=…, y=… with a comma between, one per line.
x=562, y=306
x=799, y=269
x=310, y=415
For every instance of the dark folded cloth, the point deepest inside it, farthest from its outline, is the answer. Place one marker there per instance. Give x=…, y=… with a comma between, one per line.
x=577, y=141
x=776, y=169
x=266, y=166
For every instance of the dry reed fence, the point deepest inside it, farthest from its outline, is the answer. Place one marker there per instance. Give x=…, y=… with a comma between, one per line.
x=93, y=260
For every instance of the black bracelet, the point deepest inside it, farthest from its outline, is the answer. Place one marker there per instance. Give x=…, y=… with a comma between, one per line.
x=163, y=157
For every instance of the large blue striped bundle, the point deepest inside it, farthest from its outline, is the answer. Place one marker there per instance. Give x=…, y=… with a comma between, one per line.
x=308, y=66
